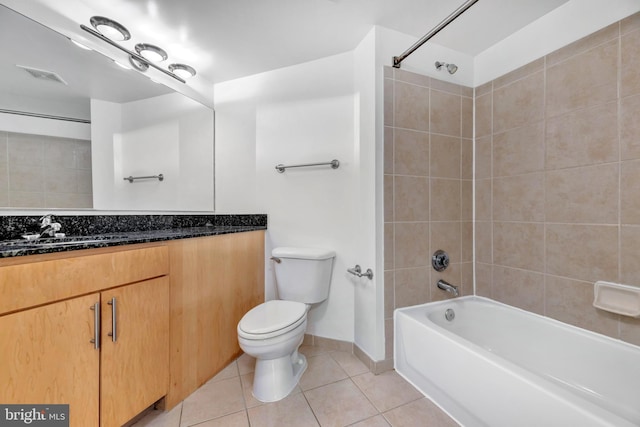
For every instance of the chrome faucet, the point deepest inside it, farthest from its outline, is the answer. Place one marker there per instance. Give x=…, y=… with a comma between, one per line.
x=448, y=287
x=48, y=227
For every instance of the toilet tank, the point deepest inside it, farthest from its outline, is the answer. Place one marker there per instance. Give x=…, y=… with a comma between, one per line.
x=303, y=274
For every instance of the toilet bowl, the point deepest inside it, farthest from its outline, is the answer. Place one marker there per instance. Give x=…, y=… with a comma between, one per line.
x=272, y=333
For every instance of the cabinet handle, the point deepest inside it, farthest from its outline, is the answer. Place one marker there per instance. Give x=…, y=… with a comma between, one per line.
x=113, y=334
x=96, y=325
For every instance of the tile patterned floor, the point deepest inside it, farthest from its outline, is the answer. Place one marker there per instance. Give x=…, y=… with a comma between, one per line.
x=336, y=390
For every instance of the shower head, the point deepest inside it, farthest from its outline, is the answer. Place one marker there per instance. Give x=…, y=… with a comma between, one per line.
x=451, y=68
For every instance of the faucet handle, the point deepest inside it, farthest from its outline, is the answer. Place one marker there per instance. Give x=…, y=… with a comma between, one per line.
x=45, y=221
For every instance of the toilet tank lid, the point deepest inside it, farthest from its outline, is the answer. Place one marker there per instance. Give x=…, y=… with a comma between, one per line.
x=303, y=253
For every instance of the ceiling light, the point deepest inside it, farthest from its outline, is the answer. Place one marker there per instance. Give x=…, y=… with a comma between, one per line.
x=182, y=70
x=110, y=28
x=145, y=54
x=151, y=52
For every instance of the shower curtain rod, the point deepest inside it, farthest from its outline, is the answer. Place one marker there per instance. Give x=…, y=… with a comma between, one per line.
x=459, y=11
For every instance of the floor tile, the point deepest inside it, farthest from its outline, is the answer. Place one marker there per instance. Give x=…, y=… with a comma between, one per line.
x=310, y=350
x=229, y=372
x=339, y=390
x=387, y=390
x=377, y=421
x=290, y=411
x=321, y=370
x=350, y=363
x=247, y=391
x=239, y=419
x=161, y=418
x=339, y=404
x=419, y=413
x=212, y=400
x=246, y=364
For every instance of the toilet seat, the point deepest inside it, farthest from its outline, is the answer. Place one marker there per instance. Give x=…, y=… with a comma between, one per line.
x=271, y=319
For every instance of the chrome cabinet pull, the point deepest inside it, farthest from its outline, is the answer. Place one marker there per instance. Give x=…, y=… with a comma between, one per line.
x=113, y=334
x=96, y=325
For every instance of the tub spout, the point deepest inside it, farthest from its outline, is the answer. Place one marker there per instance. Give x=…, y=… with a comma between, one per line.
x=448, y=287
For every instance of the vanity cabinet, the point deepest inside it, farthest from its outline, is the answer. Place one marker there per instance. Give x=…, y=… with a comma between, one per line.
x=49, y=353
x=177, y=305
x=214, y=282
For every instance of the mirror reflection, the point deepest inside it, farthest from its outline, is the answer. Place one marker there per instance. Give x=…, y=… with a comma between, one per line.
x=74, y=124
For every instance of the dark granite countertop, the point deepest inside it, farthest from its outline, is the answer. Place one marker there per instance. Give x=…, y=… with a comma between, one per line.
x=92, y=232
x=13, y=248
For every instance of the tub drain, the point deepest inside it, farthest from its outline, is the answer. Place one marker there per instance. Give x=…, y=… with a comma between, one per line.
x=449, y=314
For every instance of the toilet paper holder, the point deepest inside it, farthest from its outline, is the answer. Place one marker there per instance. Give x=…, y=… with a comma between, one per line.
x=357, y=271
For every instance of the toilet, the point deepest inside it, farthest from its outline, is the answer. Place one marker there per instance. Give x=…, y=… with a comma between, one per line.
x=273, y=331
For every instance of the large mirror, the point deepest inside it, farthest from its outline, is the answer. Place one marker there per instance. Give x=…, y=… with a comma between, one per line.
x=74, y=125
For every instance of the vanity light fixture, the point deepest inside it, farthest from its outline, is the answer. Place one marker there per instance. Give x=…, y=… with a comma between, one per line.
x=121, y=65
x=138, y=65
x=145, y=54
x=151, y=52
x=182, y=70
x=110, y=28
x=80, y=45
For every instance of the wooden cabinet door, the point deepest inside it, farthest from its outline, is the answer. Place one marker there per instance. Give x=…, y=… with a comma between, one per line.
x=135, y=365
x=214, y=282
x=47, y=358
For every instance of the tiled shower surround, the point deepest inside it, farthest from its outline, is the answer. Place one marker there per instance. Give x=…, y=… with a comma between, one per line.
x=428, y=189
x=557, y=182
x=44, y=171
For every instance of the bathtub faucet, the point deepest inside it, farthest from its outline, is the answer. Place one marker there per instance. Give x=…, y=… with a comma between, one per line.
x=448, y=287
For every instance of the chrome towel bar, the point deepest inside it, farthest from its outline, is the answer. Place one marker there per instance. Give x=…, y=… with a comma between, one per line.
x=133, y=178
x=335, y=164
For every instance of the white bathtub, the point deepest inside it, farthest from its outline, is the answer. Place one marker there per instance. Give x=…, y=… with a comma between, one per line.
x=495, y=365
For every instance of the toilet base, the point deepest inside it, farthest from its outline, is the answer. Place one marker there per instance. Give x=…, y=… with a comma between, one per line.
x=274, y=379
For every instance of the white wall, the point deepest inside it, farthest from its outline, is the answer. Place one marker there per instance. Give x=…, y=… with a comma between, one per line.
x=235, y=159
x=564, y=25
x=390, y=43
x=40, y=126
x=301, y=114
x=369, y=294
x=170, y=135
x=110, y=115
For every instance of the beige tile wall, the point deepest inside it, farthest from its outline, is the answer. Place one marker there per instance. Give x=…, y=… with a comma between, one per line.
x=44, y=172
x=428, y=189
x=558, y=180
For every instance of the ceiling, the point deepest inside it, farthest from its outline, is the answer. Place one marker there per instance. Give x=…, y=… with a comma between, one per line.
x=226, y=39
